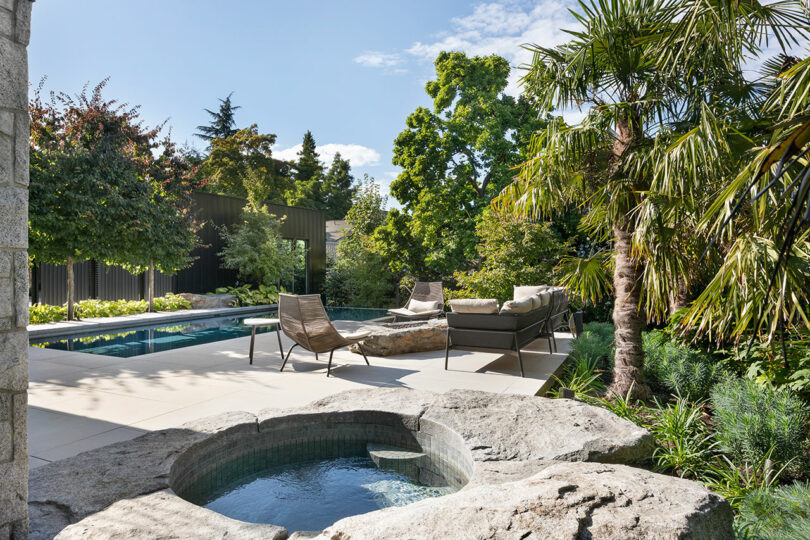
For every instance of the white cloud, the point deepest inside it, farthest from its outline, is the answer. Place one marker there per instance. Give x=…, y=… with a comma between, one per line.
x=356, y=154
x=376, y=59
x=502, y=28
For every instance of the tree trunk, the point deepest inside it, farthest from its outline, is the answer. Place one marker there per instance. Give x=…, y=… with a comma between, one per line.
x=681, y=298
x=70, y=289
x=628, y=369
x=150, y=287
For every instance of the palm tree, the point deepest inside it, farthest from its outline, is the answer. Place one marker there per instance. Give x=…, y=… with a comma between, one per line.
x=660, y=77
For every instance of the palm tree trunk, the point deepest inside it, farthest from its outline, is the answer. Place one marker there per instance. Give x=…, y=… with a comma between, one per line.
x=628, y=369
x=70, y=289
x=681, y=298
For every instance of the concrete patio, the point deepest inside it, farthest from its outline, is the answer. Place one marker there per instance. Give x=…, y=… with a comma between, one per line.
x=80, y=401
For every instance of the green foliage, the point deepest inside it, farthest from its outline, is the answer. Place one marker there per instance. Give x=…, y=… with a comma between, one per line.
x=753, y=421
x=595, y=344
x=679, y=369
x=683, y=440
x=735, y=480
x=243, y=165
x=770, y=363
x=781, y=513
x=44, y=313
x=580, y=374
x=360, y=276
x=455, y=158
x=511, y=252
x=337, y=189
x=248, y=296
x=255, y=248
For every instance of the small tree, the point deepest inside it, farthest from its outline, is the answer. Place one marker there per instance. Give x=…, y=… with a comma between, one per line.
x=255, y=248
x=337, y=189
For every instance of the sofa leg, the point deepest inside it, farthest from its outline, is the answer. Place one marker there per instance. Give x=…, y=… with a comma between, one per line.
x=520, y=357
x=447, y=349
x=554, y=340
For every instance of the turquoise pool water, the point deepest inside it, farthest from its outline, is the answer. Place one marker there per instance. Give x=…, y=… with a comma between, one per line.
x=311, y=496
x=136, y=341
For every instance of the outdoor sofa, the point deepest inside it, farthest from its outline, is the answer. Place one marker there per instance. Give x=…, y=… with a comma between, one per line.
x=509, y=329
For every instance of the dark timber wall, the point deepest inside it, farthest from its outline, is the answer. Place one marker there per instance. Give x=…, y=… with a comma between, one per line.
x=94, y=280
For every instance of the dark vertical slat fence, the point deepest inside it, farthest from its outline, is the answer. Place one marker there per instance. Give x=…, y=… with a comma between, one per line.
x=95, y=280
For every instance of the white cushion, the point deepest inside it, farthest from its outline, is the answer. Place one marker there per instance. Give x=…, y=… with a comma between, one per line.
x=536, y=301
x=524, y=291
x=401, y=311
x=417, y=306
x=356, y=335
x=524, y=305
x=474, y=305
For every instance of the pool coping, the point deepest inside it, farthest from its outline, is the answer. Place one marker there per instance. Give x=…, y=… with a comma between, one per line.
x=85, y=326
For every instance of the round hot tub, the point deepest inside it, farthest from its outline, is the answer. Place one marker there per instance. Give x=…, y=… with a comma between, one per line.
x=306, y=471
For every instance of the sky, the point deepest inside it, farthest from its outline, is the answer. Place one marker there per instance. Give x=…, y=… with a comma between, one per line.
x=350, y=71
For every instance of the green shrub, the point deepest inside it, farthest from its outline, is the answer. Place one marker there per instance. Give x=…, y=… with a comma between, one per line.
x=678, y=369
x=580, y=375
x=753, y=420
x=734, y=481
x=779, y=513
x=683, y=440
x=44, y=313
x=595, y=345
x=248, y=296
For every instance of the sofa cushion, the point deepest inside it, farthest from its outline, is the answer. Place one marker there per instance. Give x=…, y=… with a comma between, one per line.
x=524, y=305
x=522, y=291
x=418, y=306
x=545, y=297
x=474, y=305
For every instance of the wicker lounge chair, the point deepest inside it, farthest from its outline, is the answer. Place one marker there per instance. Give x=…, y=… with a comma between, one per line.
x=304, y=320
x=423, y=291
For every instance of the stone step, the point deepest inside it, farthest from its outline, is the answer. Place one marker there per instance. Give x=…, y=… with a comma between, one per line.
x=397, y=459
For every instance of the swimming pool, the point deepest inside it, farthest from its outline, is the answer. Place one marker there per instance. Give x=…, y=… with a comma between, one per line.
x=136, y=341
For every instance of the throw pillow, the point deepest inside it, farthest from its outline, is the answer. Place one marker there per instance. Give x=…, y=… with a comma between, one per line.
x=474, y=305
x=523, y=291
x=417, y=306
x=524, y=305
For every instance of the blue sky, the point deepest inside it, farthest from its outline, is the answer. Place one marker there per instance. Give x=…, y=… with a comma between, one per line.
x=349, y=71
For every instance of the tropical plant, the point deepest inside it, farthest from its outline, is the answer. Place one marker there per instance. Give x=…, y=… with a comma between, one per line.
x=779, y=513
x=661, y=76
x=735, y=480
x=753, y=421
x=582, y=375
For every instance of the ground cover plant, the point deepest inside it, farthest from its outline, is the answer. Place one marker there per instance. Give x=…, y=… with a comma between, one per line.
x=44, y=313
x=745, y=439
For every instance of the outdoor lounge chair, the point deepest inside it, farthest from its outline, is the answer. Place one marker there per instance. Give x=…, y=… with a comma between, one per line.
x=423, y=292
x=304, y=320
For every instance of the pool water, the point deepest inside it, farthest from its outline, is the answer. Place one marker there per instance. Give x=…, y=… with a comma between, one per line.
x=137, y=341
x=311, y=496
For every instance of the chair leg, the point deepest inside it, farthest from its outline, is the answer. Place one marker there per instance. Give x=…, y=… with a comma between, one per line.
x=447, y=349
x=280, y=347
x=329, y=365
x=363, y=353
x=316, y=356
x=520, y=358
x=252, y=341
x=288, y=356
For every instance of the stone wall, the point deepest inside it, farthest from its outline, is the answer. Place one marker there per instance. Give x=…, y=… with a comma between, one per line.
x=15, y=24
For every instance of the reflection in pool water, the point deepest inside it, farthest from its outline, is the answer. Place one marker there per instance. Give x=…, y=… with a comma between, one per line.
x=136, y=341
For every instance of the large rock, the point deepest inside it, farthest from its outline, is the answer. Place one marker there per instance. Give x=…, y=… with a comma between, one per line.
x=209, y=301
x=566, y=500
x=164, y=515
x=526, y=428
x=405, y=337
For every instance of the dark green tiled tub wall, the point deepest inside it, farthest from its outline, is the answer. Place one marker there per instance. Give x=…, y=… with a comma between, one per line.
x=218, y=462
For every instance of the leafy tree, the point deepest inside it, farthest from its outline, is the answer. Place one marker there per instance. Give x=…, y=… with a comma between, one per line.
x=512, y=252
x=337, y=189
x=256, y=249
x=360, y=276
x=458, y=156
x=98, y=191
x=222, y=124
x=243, y=165
x=646, y=158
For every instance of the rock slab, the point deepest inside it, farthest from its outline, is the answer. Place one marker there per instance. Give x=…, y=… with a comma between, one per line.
x=406, y=337
x=564, y=501
x=209, y=301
